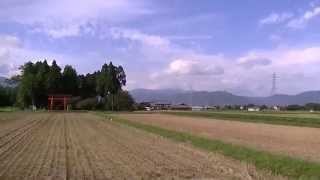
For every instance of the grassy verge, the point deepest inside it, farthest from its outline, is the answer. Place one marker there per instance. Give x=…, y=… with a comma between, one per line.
x=258, y=118
x=277, y=164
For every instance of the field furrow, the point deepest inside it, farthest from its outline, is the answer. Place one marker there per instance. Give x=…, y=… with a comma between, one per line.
x=72, y=146
x=29, y=159
x=16, y=153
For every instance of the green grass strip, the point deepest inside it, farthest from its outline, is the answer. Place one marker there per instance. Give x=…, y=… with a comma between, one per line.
x=8, y=109
x=267, y=119
x=277, y=164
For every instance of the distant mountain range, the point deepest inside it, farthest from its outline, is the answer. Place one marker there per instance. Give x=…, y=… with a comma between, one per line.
x=203, y=98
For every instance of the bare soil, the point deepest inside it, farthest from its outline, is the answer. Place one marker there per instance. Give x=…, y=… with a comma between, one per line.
x=84, y=146
x=301, y=142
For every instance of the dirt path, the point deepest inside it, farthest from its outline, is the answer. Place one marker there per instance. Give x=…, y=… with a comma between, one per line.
x=84, y=146
x=294, y=141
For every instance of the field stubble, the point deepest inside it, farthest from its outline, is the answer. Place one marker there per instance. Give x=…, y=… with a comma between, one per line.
x=294, y=141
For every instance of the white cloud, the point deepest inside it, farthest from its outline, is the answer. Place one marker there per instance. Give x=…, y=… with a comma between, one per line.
x=9, y=41
x=134, y=35
x=182, y=67
x=291, y=20
x=302, y=21
x=304, y=56
x=250, y=74
x=149, y=46
x=251, y=62
x=310, y=14
x=65, y=31
x=275, y=18
x=62, y=18
x=13, y=54
x=192, y=67
x=8, y=44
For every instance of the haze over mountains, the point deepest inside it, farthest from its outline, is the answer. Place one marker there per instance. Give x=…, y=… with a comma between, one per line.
x=5, y=82
x=203, y=98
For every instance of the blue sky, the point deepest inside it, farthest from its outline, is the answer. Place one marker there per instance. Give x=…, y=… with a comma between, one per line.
x=201, y=45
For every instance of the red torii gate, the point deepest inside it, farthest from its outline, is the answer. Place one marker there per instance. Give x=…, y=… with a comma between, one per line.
x=57, y=101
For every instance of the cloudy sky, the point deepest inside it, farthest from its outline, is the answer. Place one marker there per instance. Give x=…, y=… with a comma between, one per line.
x=200, y=45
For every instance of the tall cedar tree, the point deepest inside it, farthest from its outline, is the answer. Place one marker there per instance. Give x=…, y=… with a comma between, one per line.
x=110, y=81
x=27, y=87
x=70, y=80
x=54, y=83
x=43, y=70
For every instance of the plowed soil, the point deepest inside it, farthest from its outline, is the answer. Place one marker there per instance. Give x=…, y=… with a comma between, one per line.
x=84, y=146
x=301, y=142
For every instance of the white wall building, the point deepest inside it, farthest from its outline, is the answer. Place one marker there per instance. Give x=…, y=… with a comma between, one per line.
x=253, y=109
x=197, y=108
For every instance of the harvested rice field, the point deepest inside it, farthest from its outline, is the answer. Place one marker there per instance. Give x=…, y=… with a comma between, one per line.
x=85, y=146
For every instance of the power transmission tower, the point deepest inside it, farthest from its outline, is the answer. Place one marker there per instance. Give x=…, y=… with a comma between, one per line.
x=191, y=95
x=274, y=84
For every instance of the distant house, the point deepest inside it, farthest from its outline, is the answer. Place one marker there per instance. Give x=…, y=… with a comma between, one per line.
x=210, y=107
x=276, y=108
x=253, y=109
x=161, y=106
x=145, y=104
x=182, y=107
x=197, y=108
x=147, y=108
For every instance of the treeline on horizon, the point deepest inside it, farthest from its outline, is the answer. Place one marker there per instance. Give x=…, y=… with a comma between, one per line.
x=290, y=107
x=102, y=89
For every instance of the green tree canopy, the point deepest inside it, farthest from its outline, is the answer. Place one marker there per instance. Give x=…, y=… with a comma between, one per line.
x=88, y=85
x=54, y=82
x=28, y=85
x=38, y=80
x=110, y=81
x=70, y=80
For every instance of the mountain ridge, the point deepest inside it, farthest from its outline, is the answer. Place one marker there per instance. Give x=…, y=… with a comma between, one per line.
x=203, y=98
